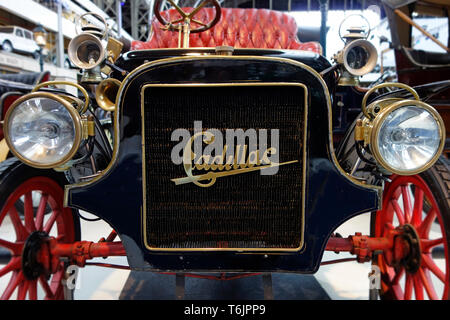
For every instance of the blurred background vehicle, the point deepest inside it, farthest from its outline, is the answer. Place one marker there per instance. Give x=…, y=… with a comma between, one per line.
x=17, y=39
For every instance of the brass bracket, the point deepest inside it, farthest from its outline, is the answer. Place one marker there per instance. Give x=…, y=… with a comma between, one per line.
x=363, y=129
x=359, y=130
x=84, y=128
x=91, y=126
x=87, y=127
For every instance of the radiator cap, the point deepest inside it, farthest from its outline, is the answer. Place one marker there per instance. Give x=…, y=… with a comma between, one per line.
x=224, y=50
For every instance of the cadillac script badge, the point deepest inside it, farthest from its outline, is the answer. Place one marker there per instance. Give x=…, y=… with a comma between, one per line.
x=218, y=159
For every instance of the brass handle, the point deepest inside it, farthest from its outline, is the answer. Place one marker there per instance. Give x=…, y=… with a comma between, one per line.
x=354, y=15
x=79, y=23
x=384, y=85
x=81, y=109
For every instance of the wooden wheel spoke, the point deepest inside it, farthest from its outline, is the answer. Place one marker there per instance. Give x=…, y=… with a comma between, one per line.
x=398, y=212
x=13, y=264
x=14, y=247
x=427, y=284
x=59, y=294
x=21, y=232
x=418, y=207
x=29, y=214
x=41, y=211
x=56, y=282
x=426, y=244
x=409, y=284
x=32, y=291
x=424, y=228
x=48, y=291
x=418, y=287
x=398, y=276
x=406, y=203
x=23, y=288
x=430, y=265
x=49, y=224
x=15, y=280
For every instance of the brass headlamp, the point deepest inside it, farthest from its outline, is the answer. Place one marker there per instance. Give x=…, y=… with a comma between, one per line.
x=45, y=130
x=404, y=136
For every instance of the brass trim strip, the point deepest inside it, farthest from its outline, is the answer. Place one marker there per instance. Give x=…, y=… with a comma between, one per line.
x=234, y=84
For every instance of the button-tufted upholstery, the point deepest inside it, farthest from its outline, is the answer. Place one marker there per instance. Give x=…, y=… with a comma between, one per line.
x=240, y=28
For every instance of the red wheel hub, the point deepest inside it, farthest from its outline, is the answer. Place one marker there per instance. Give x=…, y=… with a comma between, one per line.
x=409, y=206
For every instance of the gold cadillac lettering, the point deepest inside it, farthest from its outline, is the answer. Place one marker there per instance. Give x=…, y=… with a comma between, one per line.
x=219, y=160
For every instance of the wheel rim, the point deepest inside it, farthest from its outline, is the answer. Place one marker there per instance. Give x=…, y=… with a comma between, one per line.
x=7, y=47
x=409, y=201
x=59, y=223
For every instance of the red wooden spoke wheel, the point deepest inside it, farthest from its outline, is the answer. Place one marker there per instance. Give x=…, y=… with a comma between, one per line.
x=22, y=233
x=417, y=204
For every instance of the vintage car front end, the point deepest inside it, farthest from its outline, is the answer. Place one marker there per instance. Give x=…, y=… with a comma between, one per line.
x=237, y=210
x=223, y=159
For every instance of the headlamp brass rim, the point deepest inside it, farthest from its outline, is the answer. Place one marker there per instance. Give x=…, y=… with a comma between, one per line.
x=73, y=113
x=379, y=120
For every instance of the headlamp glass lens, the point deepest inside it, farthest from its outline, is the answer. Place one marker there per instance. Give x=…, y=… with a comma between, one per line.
x=41, y=130
x=409, y=138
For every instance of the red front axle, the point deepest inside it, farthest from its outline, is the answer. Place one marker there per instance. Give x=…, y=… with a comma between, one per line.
x=393, y=246
x=79, y=252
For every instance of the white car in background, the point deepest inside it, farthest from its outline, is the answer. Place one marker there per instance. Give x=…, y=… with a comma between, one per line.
x=13, y=38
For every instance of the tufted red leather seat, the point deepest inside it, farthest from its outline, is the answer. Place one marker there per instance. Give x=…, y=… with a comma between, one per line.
x=240, y=28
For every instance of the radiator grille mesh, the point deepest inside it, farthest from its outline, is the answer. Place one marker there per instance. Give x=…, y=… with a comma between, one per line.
x=248, y=210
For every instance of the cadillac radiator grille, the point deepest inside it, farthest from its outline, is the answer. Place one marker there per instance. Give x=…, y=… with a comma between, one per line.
x=235, y=207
